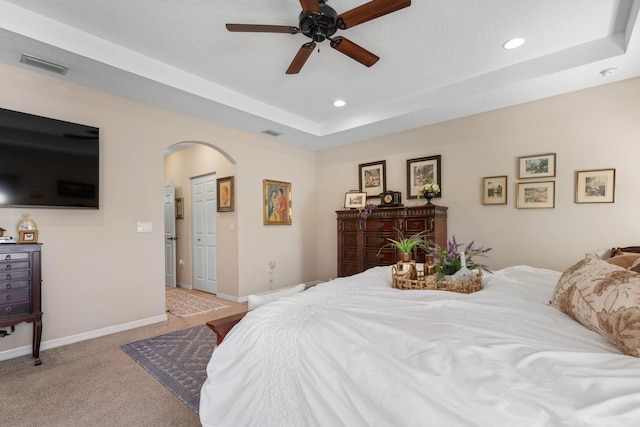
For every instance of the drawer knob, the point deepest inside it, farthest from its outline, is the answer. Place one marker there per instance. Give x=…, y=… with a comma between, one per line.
x=9, y=286
x=379, y=224
x=8, y=257
x=8, y=276
x=379, y=256
x=8, y=267
x=8, y=309
x=379, y=240
x=8, y=298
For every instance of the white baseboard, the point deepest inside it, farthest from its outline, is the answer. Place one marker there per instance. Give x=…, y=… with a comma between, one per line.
x=59, y=342
x=232, y=298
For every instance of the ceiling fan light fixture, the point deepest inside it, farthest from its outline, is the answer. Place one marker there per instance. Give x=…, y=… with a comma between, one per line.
x=339, y=103
x=513, y=43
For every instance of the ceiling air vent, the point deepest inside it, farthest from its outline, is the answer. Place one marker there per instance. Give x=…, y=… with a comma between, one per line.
x=42, y=64
x=271, y=133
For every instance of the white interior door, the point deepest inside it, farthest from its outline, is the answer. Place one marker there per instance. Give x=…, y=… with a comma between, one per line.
x=203, y=219
x=169, y=234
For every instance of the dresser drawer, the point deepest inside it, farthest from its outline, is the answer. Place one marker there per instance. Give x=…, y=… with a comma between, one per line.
x=14, y=296
x=14, y=284
x=8, y=275
x=13, y=265
x=350, y=225
x=380, y=224
x=15, y=256
x=378, y=240
x=350, y=254
x=8, y=310
x=382, y=257
x=349, y=239
x=349, y=269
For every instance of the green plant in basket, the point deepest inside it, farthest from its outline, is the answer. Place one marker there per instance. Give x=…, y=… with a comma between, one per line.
x=406, y=245
x=447, y=260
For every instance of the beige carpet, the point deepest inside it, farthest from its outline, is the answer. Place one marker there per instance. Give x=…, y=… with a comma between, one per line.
x=95, y=383
x=182, y=304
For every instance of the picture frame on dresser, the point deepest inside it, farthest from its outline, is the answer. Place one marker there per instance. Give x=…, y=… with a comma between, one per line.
x=536, y=195
x=494, y=190
x=596, y=186
x=537, y=166
x=420, y=172
x=276, y=202
x=373, y=178
x=355, y=200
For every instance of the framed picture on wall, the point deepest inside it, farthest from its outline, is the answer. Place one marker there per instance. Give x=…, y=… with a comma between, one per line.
x=536, y=195
x=180, y=208
x=373, y=178
x=225, y=194
x=596, y=186
x=538, y=166
x=494, y=190
x=276, y=202
x=420, y=172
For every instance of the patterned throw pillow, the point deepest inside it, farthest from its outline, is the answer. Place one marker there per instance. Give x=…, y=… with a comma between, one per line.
x=604, y=298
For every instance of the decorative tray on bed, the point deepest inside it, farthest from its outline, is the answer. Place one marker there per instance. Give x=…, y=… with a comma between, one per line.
x=412, y=278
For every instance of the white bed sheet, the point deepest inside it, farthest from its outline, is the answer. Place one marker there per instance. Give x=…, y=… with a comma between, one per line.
x=356, y=352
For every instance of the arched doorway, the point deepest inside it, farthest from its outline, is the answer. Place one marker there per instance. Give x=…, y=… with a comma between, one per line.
x=184, y=161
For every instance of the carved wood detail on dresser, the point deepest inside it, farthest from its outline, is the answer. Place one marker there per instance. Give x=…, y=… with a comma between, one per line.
x=360, y=240
x=20, y=289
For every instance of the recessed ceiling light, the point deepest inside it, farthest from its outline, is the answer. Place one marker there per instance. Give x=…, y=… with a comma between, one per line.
x=339, y=103
x=608, y=71
x=513, y=43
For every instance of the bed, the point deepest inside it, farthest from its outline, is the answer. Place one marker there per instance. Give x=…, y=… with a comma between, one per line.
x=356, y=352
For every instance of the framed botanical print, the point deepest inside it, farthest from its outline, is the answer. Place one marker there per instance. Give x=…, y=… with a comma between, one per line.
x=225, y=194
x=596, y=186
x=494, y=190
x=422, y=171
x=276, y=202
x=538, y=166
x=536, y=195
x=373, y=178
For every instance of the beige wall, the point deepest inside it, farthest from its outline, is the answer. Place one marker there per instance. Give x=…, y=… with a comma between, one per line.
x=99, y=274
x=591, y=129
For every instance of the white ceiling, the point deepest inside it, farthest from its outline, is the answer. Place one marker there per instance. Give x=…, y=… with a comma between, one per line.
x=440, y=59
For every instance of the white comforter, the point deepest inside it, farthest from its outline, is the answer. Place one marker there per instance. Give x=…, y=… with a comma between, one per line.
x=355, y=352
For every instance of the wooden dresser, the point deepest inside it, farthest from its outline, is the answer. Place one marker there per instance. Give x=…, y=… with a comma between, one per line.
x=360, y=240
x=20, y=289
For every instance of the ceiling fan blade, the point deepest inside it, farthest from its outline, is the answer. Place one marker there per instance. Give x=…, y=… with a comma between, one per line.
x=257, y=28
x=354, y=51
x=310, y=6
x=368, y=11
x=301, y=57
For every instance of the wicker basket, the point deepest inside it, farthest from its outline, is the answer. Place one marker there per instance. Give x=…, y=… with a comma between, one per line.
x=464, y=286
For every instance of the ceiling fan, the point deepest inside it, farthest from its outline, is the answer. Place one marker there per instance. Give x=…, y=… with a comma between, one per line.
x=318, y=21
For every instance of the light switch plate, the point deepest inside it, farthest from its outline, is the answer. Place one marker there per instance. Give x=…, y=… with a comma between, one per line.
x=144, y=227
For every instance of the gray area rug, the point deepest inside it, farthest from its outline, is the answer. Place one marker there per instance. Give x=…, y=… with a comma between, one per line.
x=178, y=360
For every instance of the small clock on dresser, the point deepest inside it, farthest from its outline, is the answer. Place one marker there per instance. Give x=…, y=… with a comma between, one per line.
x=390, y=199
x=27, y=230
x=27, y=223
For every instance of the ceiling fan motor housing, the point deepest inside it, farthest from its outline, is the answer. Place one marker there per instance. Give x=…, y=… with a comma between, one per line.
x=318, y=26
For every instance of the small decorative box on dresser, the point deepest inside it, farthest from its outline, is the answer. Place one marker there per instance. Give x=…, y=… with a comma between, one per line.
x=20, y=289
x=360, y=240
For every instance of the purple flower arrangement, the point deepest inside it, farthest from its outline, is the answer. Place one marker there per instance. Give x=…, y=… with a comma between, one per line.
x=447, y=260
